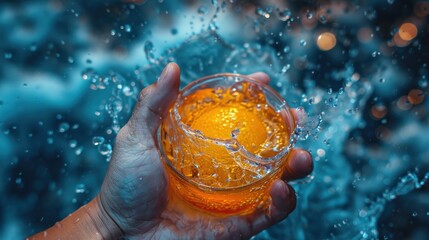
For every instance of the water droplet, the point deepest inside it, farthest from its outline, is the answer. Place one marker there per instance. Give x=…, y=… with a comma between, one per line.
x=127, y=91
x=78, y=151
x=309, y=15
x=303, y=43
x=73, y=143
x=286, y=49
x=127, y=28
x=285, y=15
x=80, y=188
x=148, y=49
x=33, y=47
x=423, y=83
x=261, y=12
x=285, y=68
x=70, y=59
x=202, y=10
x=8, y=55
x=235, y=132
x=97, y=140
x=18, y=181
x=323, y=19
x=63, y=127
x=382, y=80
x=105, y=149
x=174, y=31
x=213, y=26
x=375, y=54
x=414, y=214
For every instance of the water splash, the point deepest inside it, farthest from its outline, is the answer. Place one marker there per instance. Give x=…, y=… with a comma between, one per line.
x=370, y=215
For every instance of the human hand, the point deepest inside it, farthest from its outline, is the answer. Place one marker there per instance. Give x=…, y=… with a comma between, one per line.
x=134, y=192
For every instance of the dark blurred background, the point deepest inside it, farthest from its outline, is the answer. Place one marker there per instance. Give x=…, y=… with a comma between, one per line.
x=70, y=72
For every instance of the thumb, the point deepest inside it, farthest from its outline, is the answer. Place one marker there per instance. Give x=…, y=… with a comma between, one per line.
x=153, y=103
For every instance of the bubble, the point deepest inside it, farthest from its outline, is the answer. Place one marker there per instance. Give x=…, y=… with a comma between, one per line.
x=320, y=152
x=285, y=15
x=390, y=1
x=105, y=149
x=97, y=140
x=174, y=31
x=303, y=43
x=323, y=19
x=63, y=127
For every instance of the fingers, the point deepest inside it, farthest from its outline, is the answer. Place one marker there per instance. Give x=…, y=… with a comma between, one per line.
x=263, y=77
x=283, y=200
x=299, y=115
x=283, y=203
x=153, y=102
x=298, y=165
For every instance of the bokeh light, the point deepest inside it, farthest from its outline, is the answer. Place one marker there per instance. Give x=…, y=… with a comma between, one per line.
x=407, y=31
x=326, y=41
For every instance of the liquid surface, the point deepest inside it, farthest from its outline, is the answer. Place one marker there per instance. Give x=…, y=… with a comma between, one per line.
x=228, y=122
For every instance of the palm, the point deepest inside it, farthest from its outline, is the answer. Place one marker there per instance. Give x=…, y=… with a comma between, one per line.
x=135, y=186
x=181, y=221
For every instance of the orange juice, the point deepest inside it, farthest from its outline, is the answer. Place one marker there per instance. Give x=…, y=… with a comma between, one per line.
x=224, y=143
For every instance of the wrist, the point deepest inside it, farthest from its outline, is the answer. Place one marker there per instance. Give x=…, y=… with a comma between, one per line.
x=101, y=220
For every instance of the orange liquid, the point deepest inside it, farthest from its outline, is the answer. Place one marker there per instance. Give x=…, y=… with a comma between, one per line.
x=218, y=178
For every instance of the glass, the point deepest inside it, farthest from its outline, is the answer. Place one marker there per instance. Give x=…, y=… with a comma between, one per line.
x=225, y=139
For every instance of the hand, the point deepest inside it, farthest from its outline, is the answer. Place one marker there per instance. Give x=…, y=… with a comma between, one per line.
x=134, y=191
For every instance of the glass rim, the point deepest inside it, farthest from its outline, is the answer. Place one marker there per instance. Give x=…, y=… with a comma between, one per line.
x=252, y=157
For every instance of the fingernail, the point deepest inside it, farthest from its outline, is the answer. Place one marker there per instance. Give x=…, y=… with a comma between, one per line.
x=164, y=73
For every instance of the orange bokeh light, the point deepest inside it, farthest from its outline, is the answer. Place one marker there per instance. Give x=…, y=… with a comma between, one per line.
x=378, y=111
x=407, y=31
x=416, y=96
x=326, y=41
